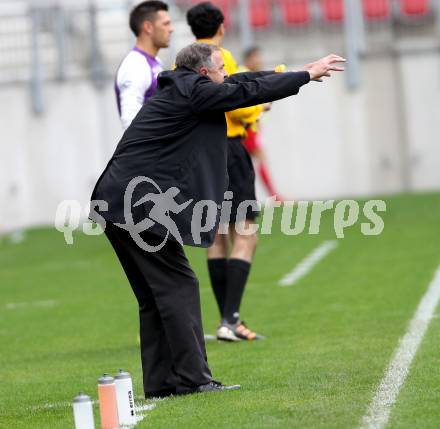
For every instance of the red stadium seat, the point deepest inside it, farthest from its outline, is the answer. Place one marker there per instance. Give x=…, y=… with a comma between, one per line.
x=332, y=10
x=414, y=7
x=260, y=13
x=376, y=9
x=295, y=12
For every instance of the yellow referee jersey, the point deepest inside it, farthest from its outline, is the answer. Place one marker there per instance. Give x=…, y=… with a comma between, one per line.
x=237, y=120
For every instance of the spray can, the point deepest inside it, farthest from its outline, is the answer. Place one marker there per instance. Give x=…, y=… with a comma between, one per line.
x=107, y=402
x=125, y=399
x=83, y=412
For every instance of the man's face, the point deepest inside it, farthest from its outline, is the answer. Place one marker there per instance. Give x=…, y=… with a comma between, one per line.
x=217, y=73
x=160, y=29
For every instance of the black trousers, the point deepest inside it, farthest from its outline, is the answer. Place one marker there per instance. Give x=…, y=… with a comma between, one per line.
x=167, y=290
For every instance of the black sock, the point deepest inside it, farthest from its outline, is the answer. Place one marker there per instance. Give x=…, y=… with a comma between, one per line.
x=217, y=273
x=238, y=271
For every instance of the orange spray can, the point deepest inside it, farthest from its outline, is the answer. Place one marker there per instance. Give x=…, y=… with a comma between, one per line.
x=108, y=407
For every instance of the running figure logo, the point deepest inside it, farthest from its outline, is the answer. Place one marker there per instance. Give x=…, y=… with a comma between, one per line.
x=163, y=204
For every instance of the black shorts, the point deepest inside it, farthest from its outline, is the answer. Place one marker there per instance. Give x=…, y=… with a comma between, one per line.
x=241, y=180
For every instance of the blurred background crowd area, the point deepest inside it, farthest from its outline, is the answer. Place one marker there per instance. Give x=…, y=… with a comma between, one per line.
x=373, y=131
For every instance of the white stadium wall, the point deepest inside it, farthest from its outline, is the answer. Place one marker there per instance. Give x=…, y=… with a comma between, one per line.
x=325, y=143
x=54, y=157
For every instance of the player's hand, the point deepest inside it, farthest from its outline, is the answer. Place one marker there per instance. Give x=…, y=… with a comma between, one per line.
x=324, y=66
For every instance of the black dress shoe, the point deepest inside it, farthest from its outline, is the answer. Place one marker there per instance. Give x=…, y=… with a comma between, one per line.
x=212, y=386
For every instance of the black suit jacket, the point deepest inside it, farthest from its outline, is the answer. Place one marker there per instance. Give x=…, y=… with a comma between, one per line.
x=179, y=139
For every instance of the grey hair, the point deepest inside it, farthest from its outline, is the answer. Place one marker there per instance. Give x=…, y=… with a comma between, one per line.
x=196, y=55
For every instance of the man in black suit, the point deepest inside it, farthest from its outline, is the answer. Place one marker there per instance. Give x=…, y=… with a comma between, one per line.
x=168, y=174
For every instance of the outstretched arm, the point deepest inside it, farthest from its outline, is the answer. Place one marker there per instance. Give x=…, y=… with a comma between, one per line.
x=210, y=96
x=247, y=76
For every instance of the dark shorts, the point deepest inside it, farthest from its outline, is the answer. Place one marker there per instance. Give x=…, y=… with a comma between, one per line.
x=241, y=180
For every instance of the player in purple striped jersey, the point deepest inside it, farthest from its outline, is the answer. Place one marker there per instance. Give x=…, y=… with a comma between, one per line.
x=136, y=78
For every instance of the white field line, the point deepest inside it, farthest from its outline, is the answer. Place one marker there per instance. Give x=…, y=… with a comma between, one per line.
x=307, y=264
x=210, y=337
x=20, y=305
x=54, y=406
x=141, y=410
x=42, y=407
x=386, y=395
x=145, y=407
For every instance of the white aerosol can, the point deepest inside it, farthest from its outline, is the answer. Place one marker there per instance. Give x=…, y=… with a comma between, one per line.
x=83, y=412
x=125, y=399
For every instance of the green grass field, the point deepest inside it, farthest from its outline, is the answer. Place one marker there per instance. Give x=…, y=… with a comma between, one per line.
x=67, y=315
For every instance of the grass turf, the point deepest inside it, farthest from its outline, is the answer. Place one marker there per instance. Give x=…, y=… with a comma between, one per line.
x=67, y=315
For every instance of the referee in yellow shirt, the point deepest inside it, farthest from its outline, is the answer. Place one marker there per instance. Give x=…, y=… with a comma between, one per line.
x=229, y=270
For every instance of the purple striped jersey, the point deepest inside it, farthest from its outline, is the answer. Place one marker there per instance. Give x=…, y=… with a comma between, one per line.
x=135, y=83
